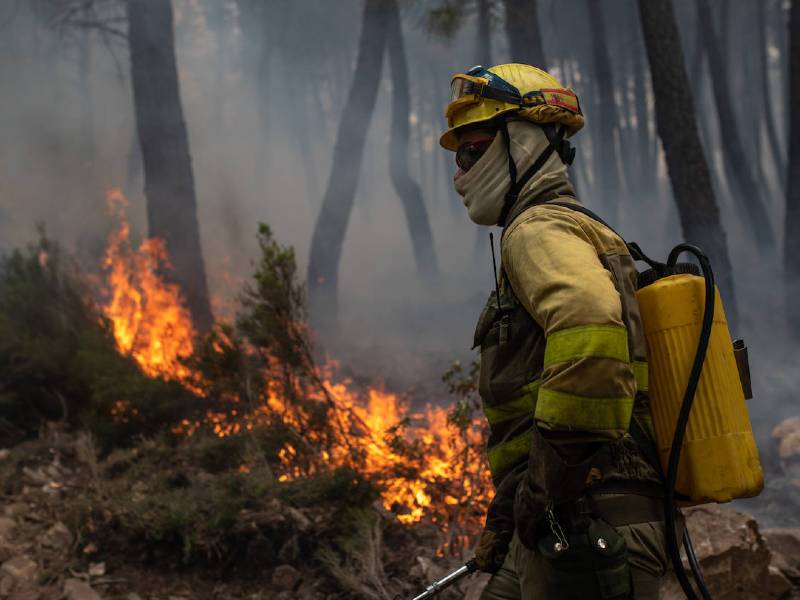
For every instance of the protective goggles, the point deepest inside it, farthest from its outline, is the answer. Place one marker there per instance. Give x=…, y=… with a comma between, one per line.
x=478, y=83
x=470, y=153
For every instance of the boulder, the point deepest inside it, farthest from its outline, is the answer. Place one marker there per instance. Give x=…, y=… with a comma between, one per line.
x=733, y=555
x=785, y=546
x=285, y=577
x=75, y=589
x=7, y=527
x=787, y=435
x=57, y=537
x=777, y=583
x=25, y=595
x=22, y=568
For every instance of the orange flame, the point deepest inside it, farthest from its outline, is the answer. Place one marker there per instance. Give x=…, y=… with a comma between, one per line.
x=428, y=471
x=149, y=319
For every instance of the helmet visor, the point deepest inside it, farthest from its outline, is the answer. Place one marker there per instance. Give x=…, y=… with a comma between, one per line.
x=465, y=90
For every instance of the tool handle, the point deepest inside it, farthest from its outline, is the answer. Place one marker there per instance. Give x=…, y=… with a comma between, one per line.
x=437, y=586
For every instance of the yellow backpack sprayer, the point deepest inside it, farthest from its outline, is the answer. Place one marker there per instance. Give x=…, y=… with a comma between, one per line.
x=707, y=454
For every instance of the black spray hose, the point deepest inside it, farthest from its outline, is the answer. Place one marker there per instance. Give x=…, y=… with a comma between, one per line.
x=680, y=430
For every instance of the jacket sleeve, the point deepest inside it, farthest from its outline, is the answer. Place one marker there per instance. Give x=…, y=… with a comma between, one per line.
x=588, y=384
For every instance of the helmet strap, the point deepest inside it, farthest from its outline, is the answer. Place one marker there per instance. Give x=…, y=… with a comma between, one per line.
x=557, y=143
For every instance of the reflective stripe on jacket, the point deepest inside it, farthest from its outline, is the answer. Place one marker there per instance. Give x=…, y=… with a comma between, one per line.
x=566, y=350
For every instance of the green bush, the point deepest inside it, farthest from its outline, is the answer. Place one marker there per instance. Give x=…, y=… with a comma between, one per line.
x=59, y=359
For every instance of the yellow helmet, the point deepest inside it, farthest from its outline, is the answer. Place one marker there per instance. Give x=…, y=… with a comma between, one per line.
x=480, y=95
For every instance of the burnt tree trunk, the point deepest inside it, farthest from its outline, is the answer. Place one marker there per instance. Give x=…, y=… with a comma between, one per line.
x=748, y=194
x=168, y=177
x=419, y=226
x=524, y=36
x=331, y=226
x=606, y=163
x=677, y=128
x=791, y=248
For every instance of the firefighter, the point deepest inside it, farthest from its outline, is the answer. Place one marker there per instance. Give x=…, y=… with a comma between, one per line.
x=563, y=380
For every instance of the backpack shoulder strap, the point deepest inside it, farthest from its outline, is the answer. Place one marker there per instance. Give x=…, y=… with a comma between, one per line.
x=636, y=252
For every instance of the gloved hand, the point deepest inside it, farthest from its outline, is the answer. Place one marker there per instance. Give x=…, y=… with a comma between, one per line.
x=493, y=545
x=492, y=550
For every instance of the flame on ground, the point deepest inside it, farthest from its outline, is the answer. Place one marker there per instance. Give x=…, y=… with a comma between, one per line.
x=149, y=319
x=428, y=469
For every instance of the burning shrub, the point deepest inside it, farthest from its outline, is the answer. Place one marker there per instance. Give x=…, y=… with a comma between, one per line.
x=239, y=449
x=59, y=358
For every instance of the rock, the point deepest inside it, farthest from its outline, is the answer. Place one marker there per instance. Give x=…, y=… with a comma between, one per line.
x=301, y=522
x=25, y=595
x=90, y=548
x=97, y=569
x=36, y=476
x=732, y=553
x=7, y=583
x=429, y=570
x=785, y=546
x=787, y=434
x=21, y=568
x=133, y=596
x=4, y=453
x=57, y=537
x=777, y=583
x=786, y=428
x=75, y=589
x=17, y=509
x=285, y=577
x=7, y=527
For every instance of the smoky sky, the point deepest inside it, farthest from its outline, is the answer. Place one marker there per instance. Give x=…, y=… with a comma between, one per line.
x=68, y=136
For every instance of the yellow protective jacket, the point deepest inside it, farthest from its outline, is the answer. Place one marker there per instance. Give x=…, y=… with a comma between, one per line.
x=577, y=280
x=563, y=362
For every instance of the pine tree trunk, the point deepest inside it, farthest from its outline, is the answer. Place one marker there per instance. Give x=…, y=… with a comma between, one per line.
x=677, y=127
x=524, y=36
x=331, y=226
x=748, y=195
x=87, y=104
x=767, y=97
x=606, y=161
x=791, y=248
x=409, y=190
x=484, y=45
x=169, y=181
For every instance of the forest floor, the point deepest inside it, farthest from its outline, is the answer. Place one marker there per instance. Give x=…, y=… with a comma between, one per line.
x=74, y=526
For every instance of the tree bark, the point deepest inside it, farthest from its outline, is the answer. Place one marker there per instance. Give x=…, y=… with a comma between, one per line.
x=605, y=159
x=254, y=23
x=748, y=195
x=767, y=97
x=484, y=45
x=409, y=190
x=677, y=127
x=169, y=181
x=331, y=226
x=524, y=35
x=87, y=104
x=791, y=248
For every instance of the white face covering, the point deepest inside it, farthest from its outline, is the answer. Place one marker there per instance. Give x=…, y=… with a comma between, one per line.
x=485, y=185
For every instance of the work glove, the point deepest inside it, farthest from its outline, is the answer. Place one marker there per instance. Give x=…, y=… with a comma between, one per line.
x=493, y=545
x=491, y=551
